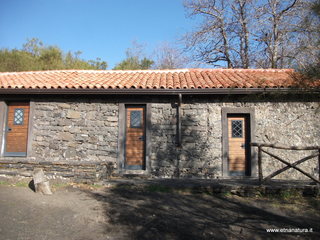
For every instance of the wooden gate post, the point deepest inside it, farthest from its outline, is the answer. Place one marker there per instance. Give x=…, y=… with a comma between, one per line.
x=260, y=163
x=319, y=163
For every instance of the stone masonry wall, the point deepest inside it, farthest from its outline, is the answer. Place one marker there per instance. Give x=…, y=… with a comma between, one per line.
x=83, y=131
x=74, y=171
x=289, y=124
x=200, y=156
x=200, y=152
x=86, y=131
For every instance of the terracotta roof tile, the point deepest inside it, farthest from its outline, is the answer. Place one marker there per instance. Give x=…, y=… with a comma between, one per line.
x=152, y=79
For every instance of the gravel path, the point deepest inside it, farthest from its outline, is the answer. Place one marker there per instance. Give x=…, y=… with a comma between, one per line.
x=67, y=214
x=130, y=213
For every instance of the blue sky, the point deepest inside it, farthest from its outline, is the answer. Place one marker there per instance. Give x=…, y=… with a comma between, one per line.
x=98, y=28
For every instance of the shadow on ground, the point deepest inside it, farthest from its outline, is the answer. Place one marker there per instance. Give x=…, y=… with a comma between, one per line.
x=156, y=213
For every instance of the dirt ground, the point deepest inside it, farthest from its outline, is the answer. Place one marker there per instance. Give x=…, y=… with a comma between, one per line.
x=149, y=213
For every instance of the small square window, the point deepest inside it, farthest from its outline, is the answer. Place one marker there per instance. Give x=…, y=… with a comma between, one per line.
x=236, y=127
x=18, y=116
x=135, y=119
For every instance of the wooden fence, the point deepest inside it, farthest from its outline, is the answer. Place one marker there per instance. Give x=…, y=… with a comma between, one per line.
x=261, y=149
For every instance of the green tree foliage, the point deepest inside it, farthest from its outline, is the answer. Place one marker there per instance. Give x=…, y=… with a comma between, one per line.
x=146, y=63
x=16, y=60
x=51, y=58
x=98, y=64
x=34, y=55
x=134, y=63
x=33, y=46
x=316, y=8
x=134, y=59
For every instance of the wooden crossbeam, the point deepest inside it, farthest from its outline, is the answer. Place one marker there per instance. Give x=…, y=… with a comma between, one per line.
x=287, y=167
x=290, y=165
x=284, y=147
x=260, y=163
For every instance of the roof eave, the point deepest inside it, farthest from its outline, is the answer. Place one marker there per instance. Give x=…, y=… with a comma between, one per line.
x=157, y=91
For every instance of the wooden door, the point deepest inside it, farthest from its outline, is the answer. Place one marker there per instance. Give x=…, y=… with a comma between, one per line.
x=238, y=139
x=17, y=129
x=135, y=138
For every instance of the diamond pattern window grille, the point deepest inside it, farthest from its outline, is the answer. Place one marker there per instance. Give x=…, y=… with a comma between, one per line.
x=18, y=116
x=237, y=128
x=135, y=119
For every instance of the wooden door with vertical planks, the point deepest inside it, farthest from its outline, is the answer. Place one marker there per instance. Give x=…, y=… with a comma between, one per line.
x=17, y=129
x=135, y=138
x=238, y=144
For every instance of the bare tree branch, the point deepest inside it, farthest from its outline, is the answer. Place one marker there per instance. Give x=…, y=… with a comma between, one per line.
x=247, y=33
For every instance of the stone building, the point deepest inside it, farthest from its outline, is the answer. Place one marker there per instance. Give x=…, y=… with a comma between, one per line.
x=88, y=125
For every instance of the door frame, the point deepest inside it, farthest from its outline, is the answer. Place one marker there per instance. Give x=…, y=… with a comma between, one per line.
x=135, y=167
x=252, y=159
x=3, y=126
x=122, y=137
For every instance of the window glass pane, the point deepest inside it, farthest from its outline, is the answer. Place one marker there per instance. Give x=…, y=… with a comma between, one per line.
x=236, y=128
x=18, y=116
x=135, y=119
